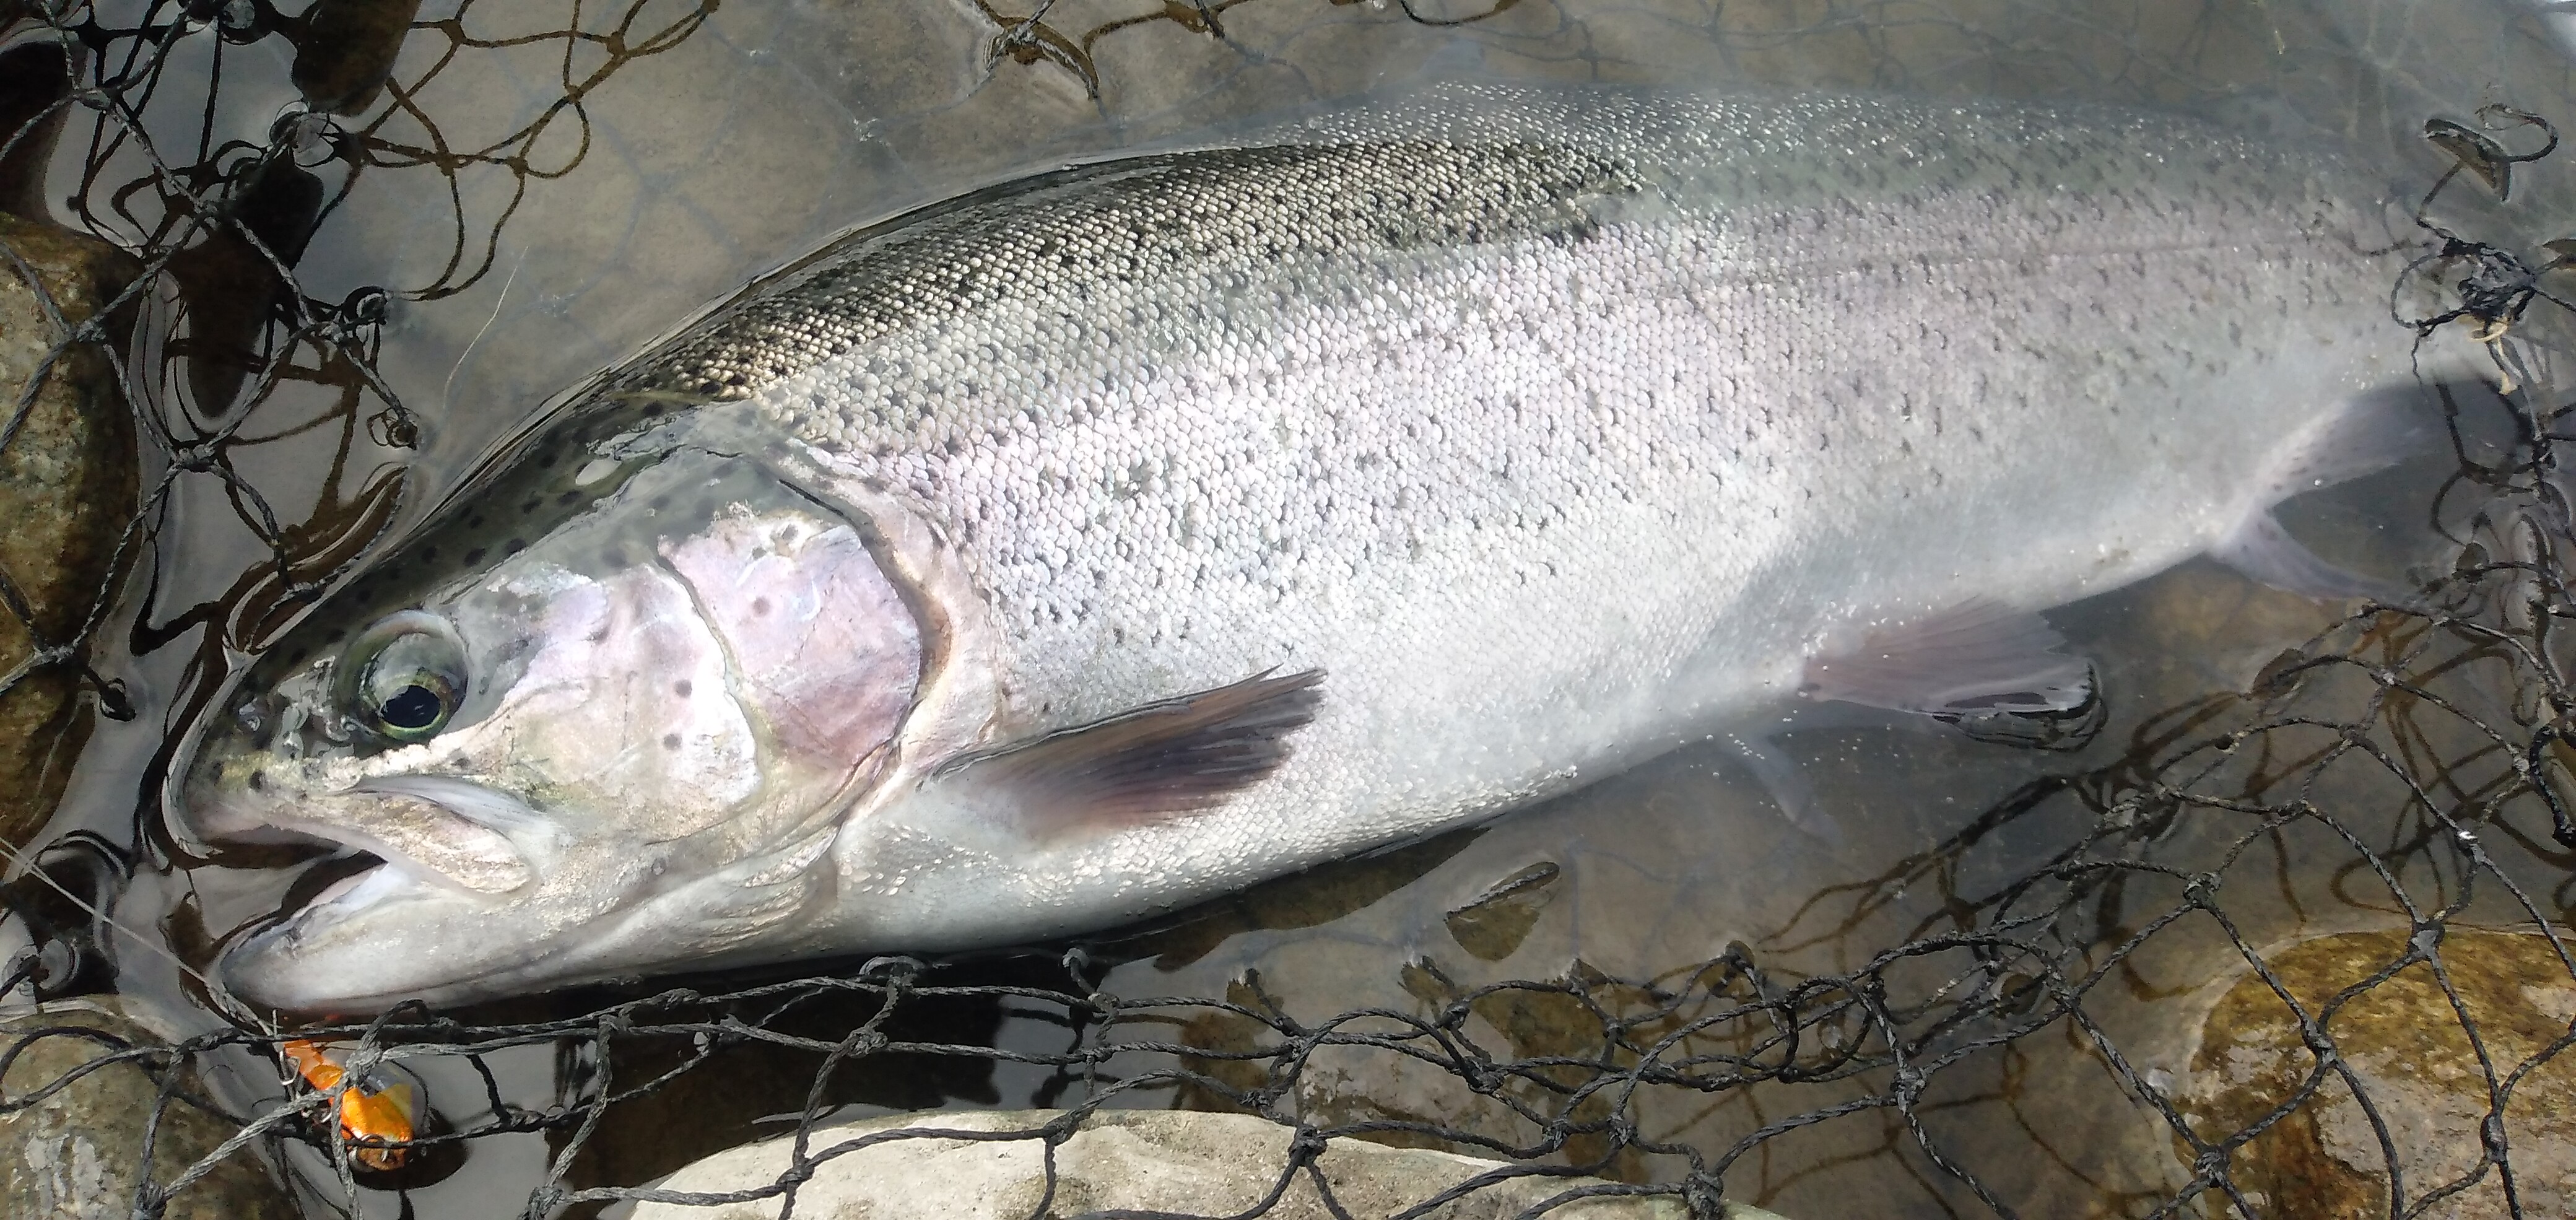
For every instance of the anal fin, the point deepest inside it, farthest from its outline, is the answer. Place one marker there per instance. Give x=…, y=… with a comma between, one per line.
x=1140, y=767
x=2267, y=554
x=2370, y=433
x=1979, y=658
x=1787, y=782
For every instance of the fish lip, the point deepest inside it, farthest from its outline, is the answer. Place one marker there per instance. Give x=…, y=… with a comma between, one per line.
x=266, y=965
x=262, y=966
x=492, y=821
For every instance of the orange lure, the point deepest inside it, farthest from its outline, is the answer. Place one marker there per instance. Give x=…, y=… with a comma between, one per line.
x=374, y=1111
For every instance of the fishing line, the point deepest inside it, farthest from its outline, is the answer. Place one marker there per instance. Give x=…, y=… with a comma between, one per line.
x=223, y=1000
x=447, y=392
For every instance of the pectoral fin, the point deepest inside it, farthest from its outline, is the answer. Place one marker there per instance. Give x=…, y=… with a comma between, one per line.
x=1979, y=658
x=1150, y=765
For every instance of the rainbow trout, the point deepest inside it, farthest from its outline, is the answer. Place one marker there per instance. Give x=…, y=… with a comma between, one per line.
x=1113, y=538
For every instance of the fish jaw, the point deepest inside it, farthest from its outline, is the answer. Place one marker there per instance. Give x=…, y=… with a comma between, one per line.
x=468, y=879
x=479, y=891
x=389, y=935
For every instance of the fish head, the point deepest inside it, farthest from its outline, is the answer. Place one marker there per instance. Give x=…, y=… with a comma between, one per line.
x=626, y=742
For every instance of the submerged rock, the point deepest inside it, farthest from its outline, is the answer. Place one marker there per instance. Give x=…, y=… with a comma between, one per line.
x=77, y=1153
x=67, y=490
x=2404, y=1042
x=1138, y=1160
x=1495, y=922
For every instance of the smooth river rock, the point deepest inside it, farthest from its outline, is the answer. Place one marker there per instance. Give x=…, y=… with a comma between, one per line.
x=2405, y=1042
x=75, y=1154
x=1143, y=1160
x=67, y=490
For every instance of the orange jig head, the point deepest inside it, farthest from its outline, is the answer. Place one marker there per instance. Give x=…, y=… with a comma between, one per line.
x=374, y=1111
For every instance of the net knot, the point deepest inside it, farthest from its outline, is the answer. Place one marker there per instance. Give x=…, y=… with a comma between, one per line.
x=1908, y=1086
x=2211, y=1165
x=365, y=306
x=195, y=456
x=1305, y=1146
x=2202, y=889
x=894, y=971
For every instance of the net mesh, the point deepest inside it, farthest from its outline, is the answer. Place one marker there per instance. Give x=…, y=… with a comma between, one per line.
x=2420, y=749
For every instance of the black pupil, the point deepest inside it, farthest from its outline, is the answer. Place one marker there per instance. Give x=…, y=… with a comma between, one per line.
x=412, y=707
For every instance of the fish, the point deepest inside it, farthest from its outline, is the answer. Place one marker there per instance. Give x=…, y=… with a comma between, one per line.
x=1119, y=535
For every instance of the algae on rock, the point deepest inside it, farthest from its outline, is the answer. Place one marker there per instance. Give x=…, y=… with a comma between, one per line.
x=76, y=1152
x=2406, y=1045
x=67, y=492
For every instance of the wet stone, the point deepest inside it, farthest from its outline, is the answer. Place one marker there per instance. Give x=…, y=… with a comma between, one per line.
x=345, y=50
x=1496, y=922
x=1151, y=1161
x=2405, y=1043
x=67, y=490
x=76, y=1153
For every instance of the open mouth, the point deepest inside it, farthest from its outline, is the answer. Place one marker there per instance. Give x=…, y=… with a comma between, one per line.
x=414, y=830
x=442, y=830
x=344, y=882
x=328, y=880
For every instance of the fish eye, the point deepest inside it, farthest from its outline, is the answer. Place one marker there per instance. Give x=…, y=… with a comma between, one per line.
x=404, y=677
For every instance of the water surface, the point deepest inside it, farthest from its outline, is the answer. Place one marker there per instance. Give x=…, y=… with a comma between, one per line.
x=542, y=189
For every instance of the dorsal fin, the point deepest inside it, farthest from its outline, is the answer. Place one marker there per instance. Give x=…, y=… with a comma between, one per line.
x=1140, y=767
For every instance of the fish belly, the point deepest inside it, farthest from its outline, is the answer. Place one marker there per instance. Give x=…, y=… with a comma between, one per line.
x=1557, y=429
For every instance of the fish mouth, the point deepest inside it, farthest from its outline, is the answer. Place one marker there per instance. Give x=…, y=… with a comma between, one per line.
x=351, y=882
x=431, y=831
x=335, y=946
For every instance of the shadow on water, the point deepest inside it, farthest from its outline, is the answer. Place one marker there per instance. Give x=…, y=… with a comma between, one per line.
x=379, y=234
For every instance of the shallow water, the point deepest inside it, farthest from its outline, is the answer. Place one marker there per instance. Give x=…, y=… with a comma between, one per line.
x=548, y=188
